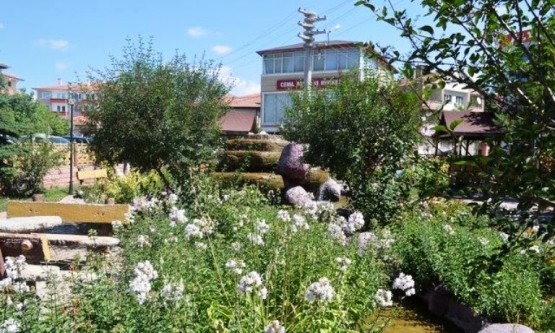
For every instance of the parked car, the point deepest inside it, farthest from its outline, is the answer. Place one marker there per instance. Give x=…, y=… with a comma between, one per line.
x=40, y=137
x=78, y=139
x=7, y=139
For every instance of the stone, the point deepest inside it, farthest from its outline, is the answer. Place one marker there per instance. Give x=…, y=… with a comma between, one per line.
x=29, y=224
x=506, y=328
x=80, y=240
x=330, y=190
x=297, y=196
x=290, y=163
x=38, y=272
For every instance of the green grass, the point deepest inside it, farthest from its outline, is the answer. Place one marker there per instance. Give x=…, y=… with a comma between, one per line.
x=50, y=195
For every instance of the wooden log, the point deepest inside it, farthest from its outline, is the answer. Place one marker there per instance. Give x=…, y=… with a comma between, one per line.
x=33, y=247
x=250, y=144
x=271, y=180
x=251, y=160
x=69, y=212
x=79, y=240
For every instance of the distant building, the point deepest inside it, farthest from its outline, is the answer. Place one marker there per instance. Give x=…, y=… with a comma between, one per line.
x=244, y=116
x=283, y=71
x=453, y=99
x=58, y=98
x=10, y=80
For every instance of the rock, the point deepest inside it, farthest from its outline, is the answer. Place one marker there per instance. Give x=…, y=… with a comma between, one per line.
x=29, y=224
x=297, y=196
x=290, y=163
x=330, y=190
x=80, y=240
x=506, y=328
x=38, y=272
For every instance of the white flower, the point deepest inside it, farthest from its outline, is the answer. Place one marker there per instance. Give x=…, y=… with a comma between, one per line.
x=283, y=215
x=143, y=240
x=337, y=233
x=448, y=229
x=383, y=298
x=261, y=227
x=192, y=231
x=320, y=291
x=235, y=266
x=483, y=241
x=236, y=247
x=9, y=326
x=299, y=222
x=274, y=327
x=117, y=225
x=172, y=198
x=343, y=263
x=255, y=239
x=355, y=222
x=7, y=282
x=504, y=237
x=173, y=292
x=14, y=266
x=177, y=216
x=250, y=283
x=21, y=287
x=140, y=285
x=405, y=283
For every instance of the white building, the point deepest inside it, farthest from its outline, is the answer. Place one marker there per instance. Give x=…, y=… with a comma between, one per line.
x=283, y=72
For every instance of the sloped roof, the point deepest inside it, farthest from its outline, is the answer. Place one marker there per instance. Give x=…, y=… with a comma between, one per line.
x=238, y=122
x=247, y=101
x=474, y=124
x=12, y=76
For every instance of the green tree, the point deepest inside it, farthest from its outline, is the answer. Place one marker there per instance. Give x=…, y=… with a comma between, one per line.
x=157, y=115
x=23, y=164
x=361, y=131
x=504, y=49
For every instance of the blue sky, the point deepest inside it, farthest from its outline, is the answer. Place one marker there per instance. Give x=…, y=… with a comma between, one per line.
x=42, y=41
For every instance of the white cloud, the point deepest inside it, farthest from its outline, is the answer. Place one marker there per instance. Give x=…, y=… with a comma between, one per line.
x=61, y=65
x=1, y=26
x=221, y=49
x=196, y=32
x=55, y=44
x=239, y=86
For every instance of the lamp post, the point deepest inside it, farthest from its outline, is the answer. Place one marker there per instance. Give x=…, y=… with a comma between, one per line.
x=71, y=101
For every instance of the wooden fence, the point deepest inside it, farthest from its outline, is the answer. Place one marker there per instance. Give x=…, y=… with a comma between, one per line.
x=81, y=154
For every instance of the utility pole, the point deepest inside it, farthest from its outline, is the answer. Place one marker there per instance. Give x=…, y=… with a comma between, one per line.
x=307, y=36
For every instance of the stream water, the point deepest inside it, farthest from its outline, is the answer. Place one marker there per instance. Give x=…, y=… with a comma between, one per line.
x=413, y=317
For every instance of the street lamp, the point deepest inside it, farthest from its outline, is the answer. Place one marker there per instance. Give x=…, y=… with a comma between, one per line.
x=71, y=102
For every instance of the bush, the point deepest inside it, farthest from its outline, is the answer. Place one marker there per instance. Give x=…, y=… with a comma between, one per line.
x=30, y=163
x=455, y=250
x=361, y=131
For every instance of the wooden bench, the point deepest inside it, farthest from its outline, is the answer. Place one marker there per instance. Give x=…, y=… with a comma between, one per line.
x=91, y=174
x=69, y=212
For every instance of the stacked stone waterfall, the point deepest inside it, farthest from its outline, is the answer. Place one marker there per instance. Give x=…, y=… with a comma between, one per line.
x=272, y=162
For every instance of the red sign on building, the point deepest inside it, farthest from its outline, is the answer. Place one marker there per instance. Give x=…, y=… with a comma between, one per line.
x=294, y=84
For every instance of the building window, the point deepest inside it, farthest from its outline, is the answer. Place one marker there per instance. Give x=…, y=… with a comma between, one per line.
x=63, y=108
x=46, y=95
x=61, y=95
x=274, y=105
x=447, y=98
x=58, y=108
x=324, y=60
x=459, y=100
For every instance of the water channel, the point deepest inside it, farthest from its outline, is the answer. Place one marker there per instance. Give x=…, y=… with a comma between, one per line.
x=413, y=317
